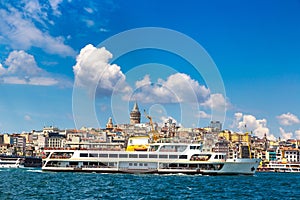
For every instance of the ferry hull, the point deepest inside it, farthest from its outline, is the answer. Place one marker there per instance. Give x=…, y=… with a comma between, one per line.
x=116, y=171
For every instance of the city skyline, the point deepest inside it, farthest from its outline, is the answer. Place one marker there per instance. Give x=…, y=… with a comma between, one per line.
x=46, y=46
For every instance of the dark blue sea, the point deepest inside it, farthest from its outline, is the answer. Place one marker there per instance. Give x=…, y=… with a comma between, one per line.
x=35, y=184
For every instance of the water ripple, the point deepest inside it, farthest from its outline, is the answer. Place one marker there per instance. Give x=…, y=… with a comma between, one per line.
x=35, y=184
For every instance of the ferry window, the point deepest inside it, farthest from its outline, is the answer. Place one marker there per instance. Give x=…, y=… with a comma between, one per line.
x=130, y=164
x=194, y=147
x=173, y=165
x=173, y=156
x=93, y=163
x=152, y=155
x=113, y=155
x=123, y=156
x=193, y=165
x=135, y=164
x=180, y=148
x=73, y=163
x=103, y=155
x=183, y=157
x=163, y=156
x=154, y=148
x=93, y=155
x=141, y=164
x=143, y=156
x=167, y=148
x=182, y=165
x=145, y=164
x=133, y=155
x=83, y=155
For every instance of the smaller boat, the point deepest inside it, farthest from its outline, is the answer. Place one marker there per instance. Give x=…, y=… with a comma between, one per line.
x=11, y=162
x=281, y=166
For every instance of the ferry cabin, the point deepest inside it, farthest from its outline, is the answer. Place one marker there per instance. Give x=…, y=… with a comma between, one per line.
x=10, y=162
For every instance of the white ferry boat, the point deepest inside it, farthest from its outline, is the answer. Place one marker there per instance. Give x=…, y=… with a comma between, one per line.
x=10, y=162
x=160, y=158
x=281, y=166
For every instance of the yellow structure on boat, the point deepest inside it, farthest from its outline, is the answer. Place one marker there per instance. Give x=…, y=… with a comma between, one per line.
x=138, y=143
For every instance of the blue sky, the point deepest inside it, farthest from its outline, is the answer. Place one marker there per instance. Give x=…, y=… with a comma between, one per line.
x=44, y=48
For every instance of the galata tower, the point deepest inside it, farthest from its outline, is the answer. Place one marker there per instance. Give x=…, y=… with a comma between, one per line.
x=135, y=115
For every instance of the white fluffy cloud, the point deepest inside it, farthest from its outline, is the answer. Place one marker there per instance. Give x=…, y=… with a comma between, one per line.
x=289, y=135
x=88, y=10
x=165, y=119
x=288, y=119
x=297, y=134
x=27, y=118
x=250, y=123
x=22, y=69
x=144, y=82
x=55, y=6
x=176, y=88
x=238, y=116
x=93, y=69
x=89, y=23
x=22, y=63
x=216, y=101
x=203, y=115
x=19, y=31
x=285, y=135
x=2, y=70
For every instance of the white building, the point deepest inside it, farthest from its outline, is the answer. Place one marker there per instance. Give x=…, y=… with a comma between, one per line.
x=291, y=154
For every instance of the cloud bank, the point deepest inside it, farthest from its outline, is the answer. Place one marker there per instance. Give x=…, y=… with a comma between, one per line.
x=19, y=31
x=21, y=68
x=92, y=68
x=94, y=72
x=250, y=123
x=177, y=88
x=288, y=119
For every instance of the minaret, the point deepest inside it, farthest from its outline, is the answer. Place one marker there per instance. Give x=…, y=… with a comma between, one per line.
x=135, y=115
x=109, y=124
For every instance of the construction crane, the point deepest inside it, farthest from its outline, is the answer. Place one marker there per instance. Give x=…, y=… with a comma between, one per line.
x=155, y=135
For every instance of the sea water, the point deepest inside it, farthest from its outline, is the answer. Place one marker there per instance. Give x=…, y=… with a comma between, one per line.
x=35, y=184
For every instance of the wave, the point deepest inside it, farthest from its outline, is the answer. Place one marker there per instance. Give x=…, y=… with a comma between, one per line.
x=35, y=170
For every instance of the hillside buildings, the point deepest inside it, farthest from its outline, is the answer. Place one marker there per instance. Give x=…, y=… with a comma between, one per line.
x=212, y=138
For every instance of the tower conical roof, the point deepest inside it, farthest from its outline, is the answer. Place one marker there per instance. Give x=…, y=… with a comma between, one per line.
x=135, y=107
